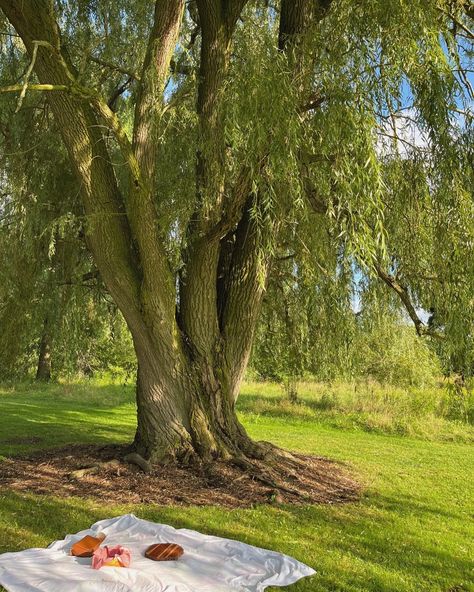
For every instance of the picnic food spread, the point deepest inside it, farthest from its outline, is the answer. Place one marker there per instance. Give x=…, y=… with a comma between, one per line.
x=119, y=556
x=208, y=562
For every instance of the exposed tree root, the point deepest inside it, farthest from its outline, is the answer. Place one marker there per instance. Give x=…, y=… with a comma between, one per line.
x=134, y=458
x=94, y=469
x=280, y=478
x=259, y=474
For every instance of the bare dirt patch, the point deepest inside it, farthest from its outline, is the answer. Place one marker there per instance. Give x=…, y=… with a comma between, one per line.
x=310, y=480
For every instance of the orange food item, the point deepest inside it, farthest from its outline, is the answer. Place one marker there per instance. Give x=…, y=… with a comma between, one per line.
x=87, y=545
x=164, y=552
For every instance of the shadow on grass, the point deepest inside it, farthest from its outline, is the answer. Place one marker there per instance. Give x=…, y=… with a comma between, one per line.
x=63, y=415
x=389, y=533
x=357, y=547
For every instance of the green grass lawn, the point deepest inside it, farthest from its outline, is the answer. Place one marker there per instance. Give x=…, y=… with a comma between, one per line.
x=411, y=531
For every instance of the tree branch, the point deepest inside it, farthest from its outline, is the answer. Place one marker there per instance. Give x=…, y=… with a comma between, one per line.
x=469, y=9
x=27, y=76
x=217, y=19
x=115, y=67
x=108, y=233
x=101, y=107
x=457, y=22
x=313, y=102
x=142, y=218
x=117, y=93
x=156, y=65
x=233, y=206
x=404, y=296
x=244, y=287
x=158, y=287
x=39, y=87
x=320, y=206
x=232, y=11
x=248, y=271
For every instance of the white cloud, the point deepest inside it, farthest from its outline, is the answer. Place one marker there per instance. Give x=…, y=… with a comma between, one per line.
x=400, y=132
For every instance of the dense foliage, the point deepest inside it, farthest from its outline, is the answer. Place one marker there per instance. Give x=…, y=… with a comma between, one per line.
x=408, y=98
x=183, y=162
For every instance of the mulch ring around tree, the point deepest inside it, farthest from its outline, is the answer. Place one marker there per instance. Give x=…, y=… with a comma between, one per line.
x=58, y=472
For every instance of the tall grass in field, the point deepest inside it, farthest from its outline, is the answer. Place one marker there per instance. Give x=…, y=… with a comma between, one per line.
x=440, y=412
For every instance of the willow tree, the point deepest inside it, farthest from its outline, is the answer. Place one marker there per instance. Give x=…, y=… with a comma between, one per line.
x=46, y=280
x=203, y=138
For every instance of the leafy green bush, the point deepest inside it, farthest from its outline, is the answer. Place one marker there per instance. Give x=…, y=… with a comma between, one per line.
x=458, y=403
x=391, y=353
x=378, y=345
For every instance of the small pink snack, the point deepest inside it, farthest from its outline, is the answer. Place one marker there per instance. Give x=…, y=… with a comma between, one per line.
x=111, y=556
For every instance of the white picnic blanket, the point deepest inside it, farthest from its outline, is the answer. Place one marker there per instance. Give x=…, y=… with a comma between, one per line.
x=209, y=564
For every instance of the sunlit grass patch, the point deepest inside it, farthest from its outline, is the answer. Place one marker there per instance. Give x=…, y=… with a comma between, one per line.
x=410, y=532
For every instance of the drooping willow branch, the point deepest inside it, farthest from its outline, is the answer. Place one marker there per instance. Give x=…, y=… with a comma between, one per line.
x=404, y=296
x=116, y=67
x=457, y=22
x=27, y=76
x=320, y=206
x=101, y=108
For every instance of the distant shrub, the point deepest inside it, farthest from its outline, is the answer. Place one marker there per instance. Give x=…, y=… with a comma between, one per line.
x=391, y=353
x=458, y=402
x=327, y=401
x=379, y=344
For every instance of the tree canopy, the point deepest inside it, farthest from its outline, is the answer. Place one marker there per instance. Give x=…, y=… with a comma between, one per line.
x=188, y=152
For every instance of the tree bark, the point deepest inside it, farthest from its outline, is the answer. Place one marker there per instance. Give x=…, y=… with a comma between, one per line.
x=186, y=410
x=43, y=371
x=191, y=361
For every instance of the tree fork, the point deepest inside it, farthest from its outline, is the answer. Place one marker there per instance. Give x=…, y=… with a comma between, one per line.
x=189, y=375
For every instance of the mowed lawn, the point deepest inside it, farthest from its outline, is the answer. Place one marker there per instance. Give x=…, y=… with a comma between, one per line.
x=412, y=530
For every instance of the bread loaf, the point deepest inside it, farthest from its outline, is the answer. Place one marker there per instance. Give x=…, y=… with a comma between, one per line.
x=87, y=545
x=164, y=552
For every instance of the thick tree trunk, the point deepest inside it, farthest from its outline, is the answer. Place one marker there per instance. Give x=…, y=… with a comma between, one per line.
x=191, y=363
x=186, y=409
x=43, y=371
